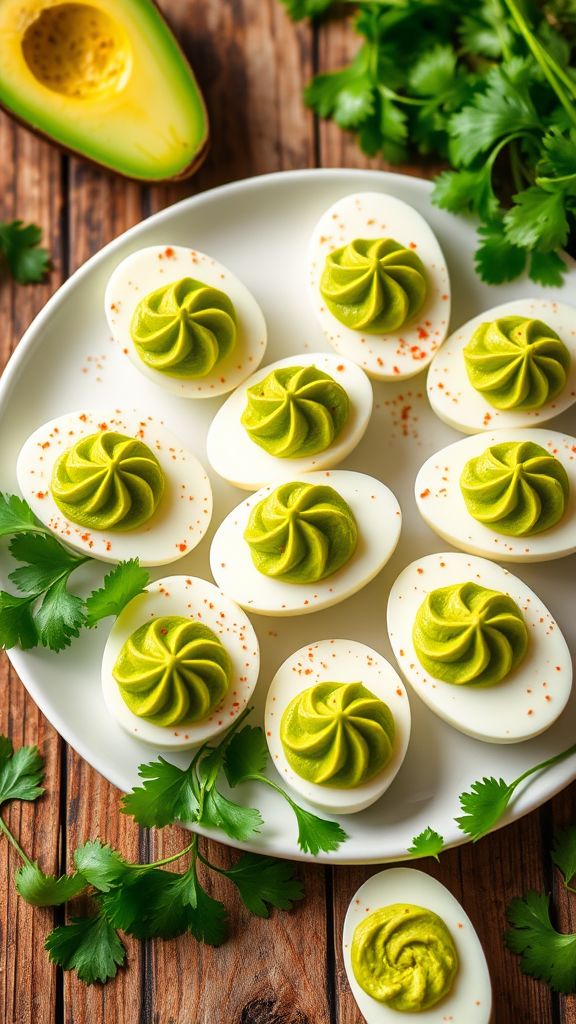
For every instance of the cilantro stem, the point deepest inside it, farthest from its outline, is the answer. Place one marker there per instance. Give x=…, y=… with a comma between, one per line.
x=547, y=64
x=258, y=777
x=541, y=767
x=11, y=839
x=165, y=860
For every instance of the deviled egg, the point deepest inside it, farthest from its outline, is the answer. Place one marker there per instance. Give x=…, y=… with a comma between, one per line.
x=409, y=948
x=180, y=664
x=300, y=414
x=510, y=494
x=306, y=544
x=337, y=724
x=185, y=321
x=379, y=285
x=511, y=366
x=116, y=485
x=479, y=647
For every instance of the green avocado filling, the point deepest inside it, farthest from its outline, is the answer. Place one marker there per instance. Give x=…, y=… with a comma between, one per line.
x=374, y=285
x=337, y=734
x=173, y=670
x=466, y=633
x=404, y=956
x=295, y=411
x=184, y=329
x=516, y=488
x=517, y=363
x=108, y=481
x=301, y=533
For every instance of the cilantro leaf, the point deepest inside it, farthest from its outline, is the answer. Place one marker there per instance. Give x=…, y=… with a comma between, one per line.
x=564, y=853
x=21, y=772
x=497, y=259
x=126, y=581
x=60, y=616
x=316, y=834
x=19, y=245
x=46, y=561
x=545, y=953
x=16, y=516
x=234, y=819
x=167, y=795
x=265, y=882
x=537, y=220
x=427, y=843
x=557, y=168
x=483, y=806
x=47, y=890
x=90, y=946
x=467, y=190
x=547, y=268
x=246, y=754
x=434, y=70
x=17, y=627
x=348, y=95
x=99, y=864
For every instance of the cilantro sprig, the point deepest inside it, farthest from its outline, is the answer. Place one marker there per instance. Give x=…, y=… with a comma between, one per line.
x=143, y=900
x=45, y=611
x=489, y=90
x=21, y=253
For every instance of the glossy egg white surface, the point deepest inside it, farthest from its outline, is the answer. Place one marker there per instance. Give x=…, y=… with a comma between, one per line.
x=470, y=999
x=524, y=704
x=178, y=524
x=441, y=505
x=374, y=215
x=237, y=458
x=451, y=394
x=197, y=599
x=146, y=270
x=378, y=517
x=337, y=661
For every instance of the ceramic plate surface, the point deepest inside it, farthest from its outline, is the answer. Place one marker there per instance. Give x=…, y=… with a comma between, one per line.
x=253, y=227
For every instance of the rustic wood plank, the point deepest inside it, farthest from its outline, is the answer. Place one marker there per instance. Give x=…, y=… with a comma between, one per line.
x=27, y=980
x=563, y=813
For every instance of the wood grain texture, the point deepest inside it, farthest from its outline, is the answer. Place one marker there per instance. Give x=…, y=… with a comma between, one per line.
x=251, y=63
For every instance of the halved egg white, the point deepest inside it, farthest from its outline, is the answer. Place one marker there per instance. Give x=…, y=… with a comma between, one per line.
x=233, y=454
x=451, y=394
x=193, y=598
x=377, y=215
x=338, y=661
x=181, y=519
x=518, y=708
x=470, y=999
x=379, y=519
x=157, y=265
x=441, y=505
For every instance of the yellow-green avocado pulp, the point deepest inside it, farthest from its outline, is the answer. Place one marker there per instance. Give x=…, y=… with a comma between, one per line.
x=404, y=956
x=106, y=79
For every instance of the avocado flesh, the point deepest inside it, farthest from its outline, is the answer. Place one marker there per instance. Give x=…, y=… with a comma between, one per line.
x=107, y=80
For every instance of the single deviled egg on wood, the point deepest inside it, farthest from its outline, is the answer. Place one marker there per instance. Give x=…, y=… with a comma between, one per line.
x=510, y=494
x=180, y=664
x=301, y=414
x=479, y=647
x=410, y=949
x=511, y=366
x=185, y=321
x=337, y=723
x=379, y=284
x=307, y=543
x=116, y=485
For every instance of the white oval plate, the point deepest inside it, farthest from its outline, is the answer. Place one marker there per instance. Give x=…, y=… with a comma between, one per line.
x=253, y=227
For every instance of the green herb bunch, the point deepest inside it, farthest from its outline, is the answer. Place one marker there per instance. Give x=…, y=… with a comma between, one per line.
x=487, y=87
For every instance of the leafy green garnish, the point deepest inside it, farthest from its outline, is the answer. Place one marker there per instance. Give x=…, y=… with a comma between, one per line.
x=427, y=843
x=545, y=953
x=167, y=795
x=125, y=582
x=264, y=882
x=90, y=946
x=47, y=890
x=564, y=854
x=21, y=252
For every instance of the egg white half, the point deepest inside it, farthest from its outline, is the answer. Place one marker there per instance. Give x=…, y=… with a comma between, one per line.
x=518, y=708
x=237, y=458
x=451, y=394
x=377, y=514
x=404, y=353
x=181, y=519
x=191, y=598
x=337, y=661
x=470, y=999
x=441, y=505
x=157, y=265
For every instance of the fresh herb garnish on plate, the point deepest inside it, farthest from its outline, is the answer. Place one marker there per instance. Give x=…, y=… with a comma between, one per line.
x=146, y=900
x=487, y=87
x=488, y=798
x=427, y=843
x=48, y=613
x=20, y=251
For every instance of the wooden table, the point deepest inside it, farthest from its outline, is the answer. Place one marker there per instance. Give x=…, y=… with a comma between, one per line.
x=252, y=64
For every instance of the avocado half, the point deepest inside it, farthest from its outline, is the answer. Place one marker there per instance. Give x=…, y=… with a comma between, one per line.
x=106, y=80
